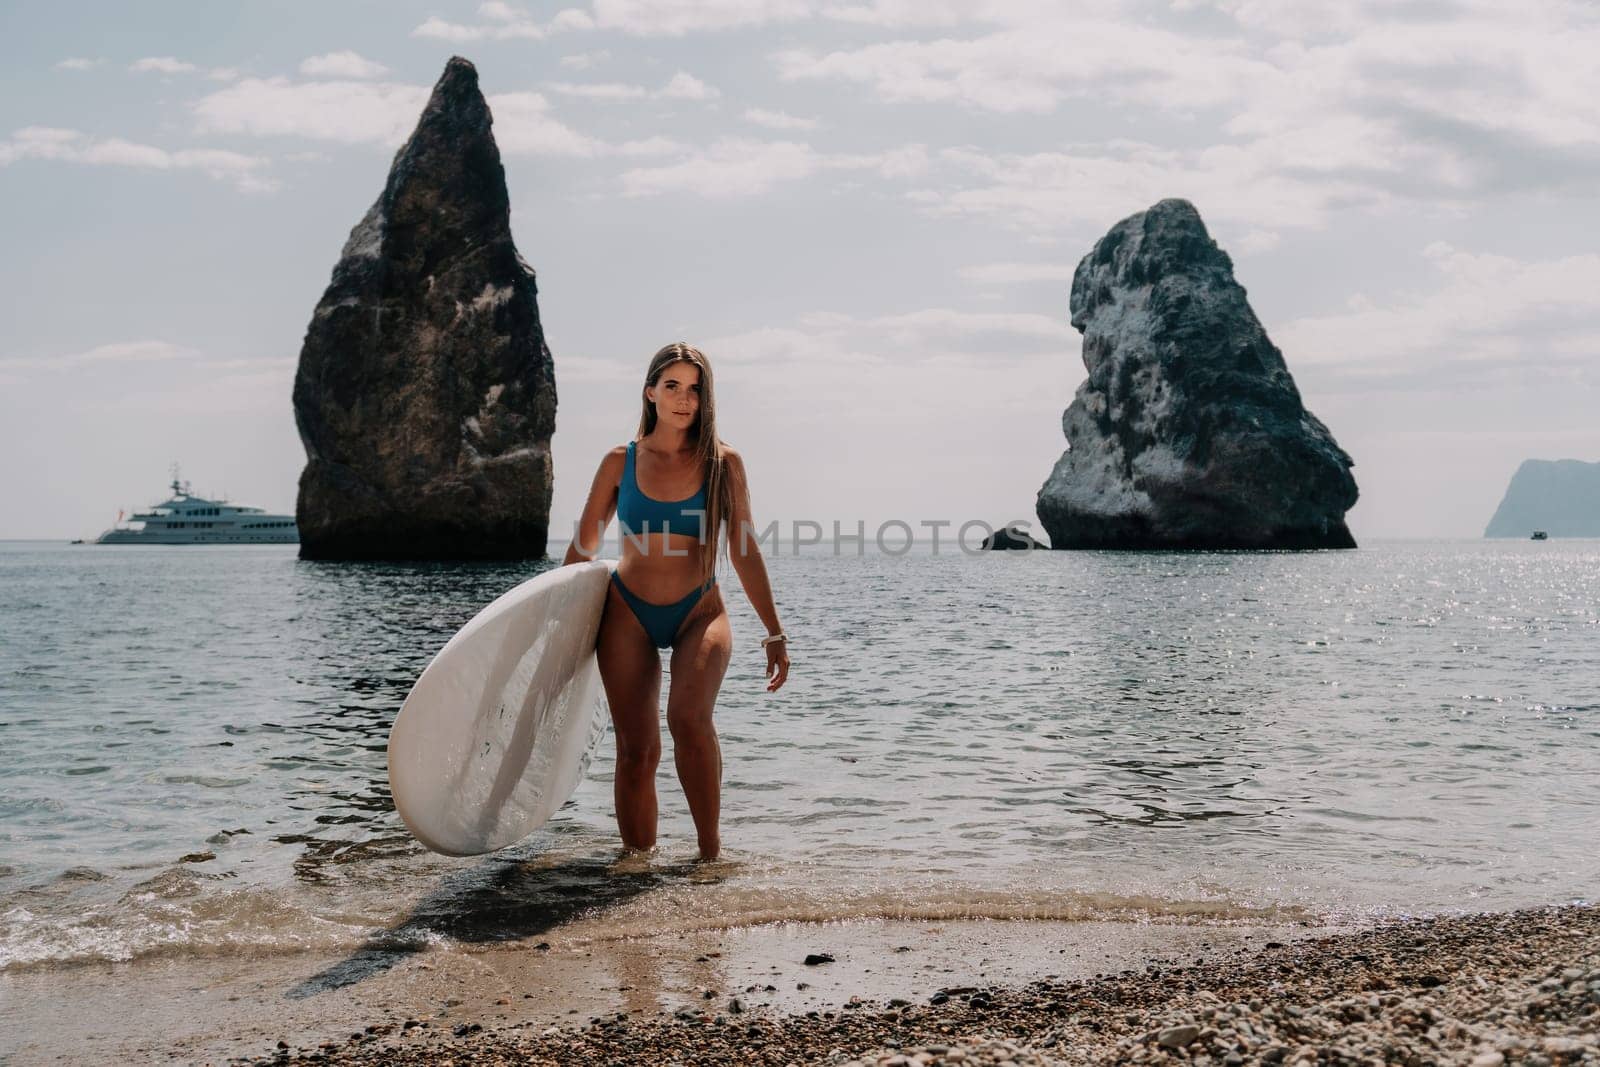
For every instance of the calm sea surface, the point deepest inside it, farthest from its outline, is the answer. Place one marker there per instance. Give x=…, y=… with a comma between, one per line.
x=192, y=747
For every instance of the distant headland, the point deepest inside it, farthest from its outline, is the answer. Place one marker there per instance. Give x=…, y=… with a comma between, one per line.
x=1559, y=496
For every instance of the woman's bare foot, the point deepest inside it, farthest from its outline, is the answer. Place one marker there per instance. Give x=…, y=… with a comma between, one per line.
x=632, y=860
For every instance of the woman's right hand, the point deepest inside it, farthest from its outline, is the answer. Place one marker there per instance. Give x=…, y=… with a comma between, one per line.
x=777, y=664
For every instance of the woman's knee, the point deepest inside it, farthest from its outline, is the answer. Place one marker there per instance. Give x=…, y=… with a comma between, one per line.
x=690, y=729
x=638, y=756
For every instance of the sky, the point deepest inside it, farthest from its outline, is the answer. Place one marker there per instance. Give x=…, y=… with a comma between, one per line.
x=865, y=212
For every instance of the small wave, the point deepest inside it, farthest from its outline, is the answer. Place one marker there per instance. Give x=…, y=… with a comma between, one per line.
x=184, y=912
x=1073, y=907
x=205, y=781
x=176, y=920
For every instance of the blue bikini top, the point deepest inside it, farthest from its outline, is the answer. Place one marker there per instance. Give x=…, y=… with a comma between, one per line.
x=640, y=515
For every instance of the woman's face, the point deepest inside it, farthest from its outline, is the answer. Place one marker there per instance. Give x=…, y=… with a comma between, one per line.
x=676, y=395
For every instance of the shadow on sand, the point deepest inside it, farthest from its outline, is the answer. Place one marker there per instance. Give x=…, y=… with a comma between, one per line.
x=503, y=899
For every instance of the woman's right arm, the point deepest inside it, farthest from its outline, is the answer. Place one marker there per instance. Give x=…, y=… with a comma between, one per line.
x=598, y=509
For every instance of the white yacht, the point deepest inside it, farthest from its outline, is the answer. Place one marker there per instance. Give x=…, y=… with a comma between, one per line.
x=186, y=519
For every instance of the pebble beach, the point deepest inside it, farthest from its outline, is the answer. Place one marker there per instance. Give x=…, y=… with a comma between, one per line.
x=1519, y=987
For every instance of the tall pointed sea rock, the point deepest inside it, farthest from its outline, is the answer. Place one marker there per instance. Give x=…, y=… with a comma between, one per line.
x=425, y=395
x=1189, y=431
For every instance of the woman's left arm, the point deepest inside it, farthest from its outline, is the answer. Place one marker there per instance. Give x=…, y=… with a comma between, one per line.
x=745, y=552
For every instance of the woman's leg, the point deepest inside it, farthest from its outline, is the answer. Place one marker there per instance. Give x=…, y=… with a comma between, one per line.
x=630, y=668
x=700, y=657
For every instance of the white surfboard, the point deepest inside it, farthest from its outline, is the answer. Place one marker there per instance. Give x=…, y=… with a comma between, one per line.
x=498, y=730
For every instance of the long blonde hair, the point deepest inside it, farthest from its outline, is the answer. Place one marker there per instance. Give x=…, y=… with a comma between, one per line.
x=708, y=446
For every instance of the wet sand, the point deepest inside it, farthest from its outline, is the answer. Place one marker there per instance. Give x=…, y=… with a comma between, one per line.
x=223, y=1009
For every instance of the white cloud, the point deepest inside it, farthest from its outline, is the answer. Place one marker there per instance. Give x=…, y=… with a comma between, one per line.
x=572, y=369
x=251, y=393
x=246, y=362
x=682, y=86
x=116, y=352
x=735, y=166
x=652, y=146
x=778, y=120
x=571, y=20
x=898, y=13
x=385, y=113
x=599, y=90
x=1486, y=314
x=731, y=167
x=78, y=63
x=339, y=65
x=74, y=146
x=907, y=161
x=674, y=18
x=1017, y=273
x=1238, y=192
x=1034, y=66
x=523, y=125
x=914, y=328
x=514, y=27
x=920, y=364
x=163, y=65
x=1319, y=106
x=260, y=388
x=171, y=65
x=347, y=111
x=38, y=142
x=685, y=86
x=131, y=351
x=677, y=18
x=499, y=11
x=585, y=60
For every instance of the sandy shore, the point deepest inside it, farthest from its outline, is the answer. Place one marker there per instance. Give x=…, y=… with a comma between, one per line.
x=1522, y=986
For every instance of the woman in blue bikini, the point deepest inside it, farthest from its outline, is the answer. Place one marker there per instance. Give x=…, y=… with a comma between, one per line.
x=674, y=490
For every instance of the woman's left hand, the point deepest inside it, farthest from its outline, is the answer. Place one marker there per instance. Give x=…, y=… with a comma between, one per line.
x=777, y=665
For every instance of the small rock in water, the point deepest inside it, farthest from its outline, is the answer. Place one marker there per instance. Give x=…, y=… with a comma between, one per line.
x=814, y=958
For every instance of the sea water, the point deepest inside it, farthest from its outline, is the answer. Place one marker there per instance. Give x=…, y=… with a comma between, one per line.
x=192, y=747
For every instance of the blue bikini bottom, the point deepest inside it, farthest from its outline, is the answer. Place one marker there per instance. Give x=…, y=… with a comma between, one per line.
x=661, y=621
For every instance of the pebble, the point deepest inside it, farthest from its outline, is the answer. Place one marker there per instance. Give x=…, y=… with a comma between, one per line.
x=1481, y=990
x=1178, y=1036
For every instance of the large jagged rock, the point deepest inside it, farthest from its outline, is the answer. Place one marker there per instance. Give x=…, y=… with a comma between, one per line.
x=1558, y=496
x=425, y=395
x=1189, y=431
